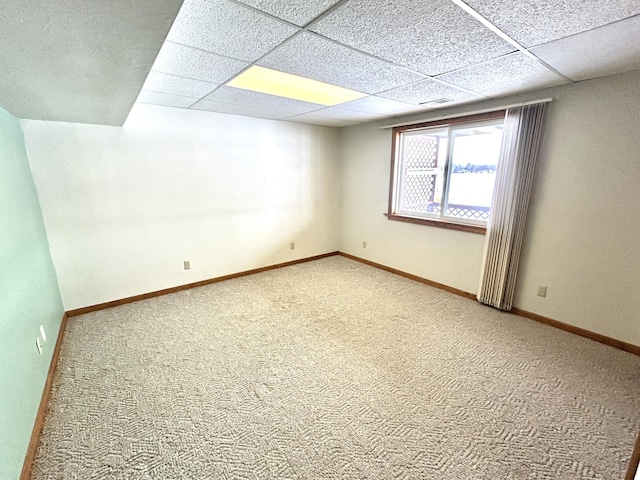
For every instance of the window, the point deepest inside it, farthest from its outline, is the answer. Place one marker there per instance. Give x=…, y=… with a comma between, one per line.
x=443, y=172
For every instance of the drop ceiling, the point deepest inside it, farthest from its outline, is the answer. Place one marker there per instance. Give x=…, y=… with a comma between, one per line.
x=406, y=55
x=86, y=61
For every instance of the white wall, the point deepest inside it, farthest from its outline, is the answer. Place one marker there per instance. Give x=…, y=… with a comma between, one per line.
x=583, y=231
x=124, y=207
x=445, y=256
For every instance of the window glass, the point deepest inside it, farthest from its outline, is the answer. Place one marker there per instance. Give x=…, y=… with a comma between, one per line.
x=446, y=172
x=474, y=159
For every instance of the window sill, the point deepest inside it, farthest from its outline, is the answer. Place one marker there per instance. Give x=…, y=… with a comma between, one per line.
x=479, y=229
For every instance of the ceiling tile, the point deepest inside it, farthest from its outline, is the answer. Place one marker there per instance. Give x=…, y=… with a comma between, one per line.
x=428, y=91
x=595, y=53
x=507, y=75
x=165, y=99
x=171, y=84
x=299, y=12
x=429, y=37
x=534, y=22
x=336, y=113
x=312, y=56
x=326, y=122
x=194, y=63
x=380, y=106
x=228, y=29
x=256, y=100
x=257, y=111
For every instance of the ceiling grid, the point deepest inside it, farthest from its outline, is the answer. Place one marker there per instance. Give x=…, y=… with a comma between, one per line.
x=87, y=61
x=408, y=56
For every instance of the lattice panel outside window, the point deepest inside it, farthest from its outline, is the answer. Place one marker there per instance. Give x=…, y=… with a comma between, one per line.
x=420, y=158
x=465, y=211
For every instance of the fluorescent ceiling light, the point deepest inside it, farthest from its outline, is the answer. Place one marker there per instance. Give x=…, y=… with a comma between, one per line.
x=273, y=82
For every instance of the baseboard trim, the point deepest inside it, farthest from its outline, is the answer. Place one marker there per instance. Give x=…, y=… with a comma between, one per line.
x=597, y=337
x=37, y=428
x=410, y=276
x=42, y=409
x=634, y=463
x=179, y=288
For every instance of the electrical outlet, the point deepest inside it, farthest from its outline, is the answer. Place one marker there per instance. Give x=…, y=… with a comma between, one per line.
x=187, y=265
x=364, y=244
x=42, y=334
x=292, y=246
x=542, y=291
x=38, y=345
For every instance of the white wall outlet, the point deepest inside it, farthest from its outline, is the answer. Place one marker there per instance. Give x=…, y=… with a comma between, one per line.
x=292, y=246
x=364, y=244
x=542, y=291
x=42, y=334
x=187, y=265
x=38, y=345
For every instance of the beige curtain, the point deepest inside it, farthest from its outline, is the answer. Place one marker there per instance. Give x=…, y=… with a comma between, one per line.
x=505, y=228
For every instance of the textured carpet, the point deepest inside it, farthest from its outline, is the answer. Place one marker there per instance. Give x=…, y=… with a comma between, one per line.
x=333, y=369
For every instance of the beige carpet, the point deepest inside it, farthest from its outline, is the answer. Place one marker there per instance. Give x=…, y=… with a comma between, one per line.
x=333, y=369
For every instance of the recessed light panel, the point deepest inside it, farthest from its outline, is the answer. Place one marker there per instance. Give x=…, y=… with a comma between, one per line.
x=273, y=82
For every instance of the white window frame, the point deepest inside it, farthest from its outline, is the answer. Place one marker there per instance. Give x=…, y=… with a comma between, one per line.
x=395, y=188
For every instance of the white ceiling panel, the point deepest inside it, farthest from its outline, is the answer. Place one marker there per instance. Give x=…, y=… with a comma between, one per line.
x=225, y=28
x=299, y=12
x=220, y=107
x=165, y=100
x=507, y=75
x=597, y=52
x=79, y=61
x=238, y=96
x=337, y=113
x=198, y=64
x=174, y=85
x=380, y=106
x=312, y=56
x=257, y=111
x=532, y=22
x=429, y=37
x=428, y=91
x=327, y=122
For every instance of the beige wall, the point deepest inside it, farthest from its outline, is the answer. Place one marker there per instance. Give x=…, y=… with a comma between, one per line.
x=583, y=231
x=124, y=207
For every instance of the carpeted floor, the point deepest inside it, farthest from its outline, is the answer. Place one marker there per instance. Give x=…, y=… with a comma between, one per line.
x=333, y=369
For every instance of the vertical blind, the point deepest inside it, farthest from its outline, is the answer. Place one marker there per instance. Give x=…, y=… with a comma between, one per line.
x=505, y=228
